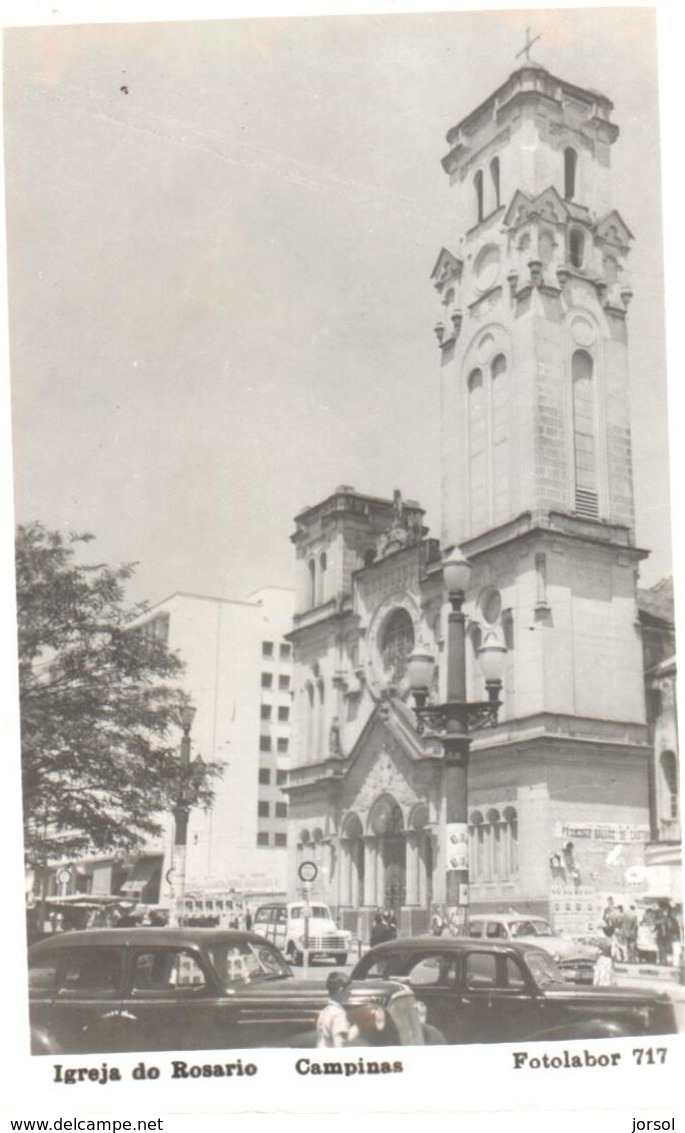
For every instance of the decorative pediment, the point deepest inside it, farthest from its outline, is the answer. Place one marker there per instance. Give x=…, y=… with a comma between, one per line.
x=518, y=210
x=614, y=230
x=550, y=205
x=385, y=761
x=447, y=268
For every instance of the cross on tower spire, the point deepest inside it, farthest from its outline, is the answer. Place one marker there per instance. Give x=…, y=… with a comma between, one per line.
x=525, y=50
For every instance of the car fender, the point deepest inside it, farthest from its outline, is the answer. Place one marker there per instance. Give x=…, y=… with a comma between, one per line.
x=42, y=1042
x=583, y=1029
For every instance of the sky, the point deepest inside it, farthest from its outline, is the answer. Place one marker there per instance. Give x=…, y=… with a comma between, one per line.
x=220, y=236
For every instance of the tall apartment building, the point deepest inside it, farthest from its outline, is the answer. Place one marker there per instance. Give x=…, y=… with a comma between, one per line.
x=238, y=676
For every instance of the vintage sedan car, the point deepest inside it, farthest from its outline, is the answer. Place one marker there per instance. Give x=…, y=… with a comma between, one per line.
x=478, y=991
x=190, y=989
x=575, y=958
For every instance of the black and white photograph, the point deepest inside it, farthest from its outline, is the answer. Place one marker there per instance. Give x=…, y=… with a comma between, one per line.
x=345, y=619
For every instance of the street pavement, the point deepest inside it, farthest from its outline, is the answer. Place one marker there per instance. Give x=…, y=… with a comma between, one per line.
x=652, y=978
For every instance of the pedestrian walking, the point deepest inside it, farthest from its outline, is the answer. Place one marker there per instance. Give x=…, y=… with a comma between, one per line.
x=629, y=934
x=333, y=1028
x=617, y=942
x=391, y=925
x=437, y=923
x=603, y=974
x=378, y=931
x=667, y=933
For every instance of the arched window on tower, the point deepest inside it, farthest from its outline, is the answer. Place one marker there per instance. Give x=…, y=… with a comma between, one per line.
x=321, y=580
x=610, y=267
x=494, y=178
x=478, y=452
x=320, y=753
x=584, y=435
x=309, y=714
x=500, y=439
x=576, y=247
x=570, y=171
x=546, y=246
x=488, y=445
x=478, y=186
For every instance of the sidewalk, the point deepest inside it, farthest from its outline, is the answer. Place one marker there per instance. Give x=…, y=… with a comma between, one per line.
x=659, y=972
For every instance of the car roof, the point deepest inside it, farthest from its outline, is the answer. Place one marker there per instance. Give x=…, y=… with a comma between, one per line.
x=130, y=937
x=502, y=918
x=454, y=944
x=290, y=904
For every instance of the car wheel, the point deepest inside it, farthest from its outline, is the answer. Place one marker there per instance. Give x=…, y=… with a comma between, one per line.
x=294, y=955
x=340, y=958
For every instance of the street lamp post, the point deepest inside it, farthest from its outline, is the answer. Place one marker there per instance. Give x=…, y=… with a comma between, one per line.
x=181, y=813
x=452, y=722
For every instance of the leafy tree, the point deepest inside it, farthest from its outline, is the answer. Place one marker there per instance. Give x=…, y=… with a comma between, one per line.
x=99, y=703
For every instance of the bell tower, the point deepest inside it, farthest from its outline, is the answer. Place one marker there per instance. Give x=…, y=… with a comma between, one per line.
x=532, y=327
x=533, y=293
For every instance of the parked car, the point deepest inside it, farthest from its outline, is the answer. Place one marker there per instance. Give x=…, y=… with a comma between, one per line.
x=188, y=989
x=575, y=958
x=284, y=925
x=480, y=991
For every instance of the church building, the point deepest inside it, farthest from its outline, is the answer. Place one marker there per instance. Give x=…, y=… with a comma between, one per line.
x=532, y=295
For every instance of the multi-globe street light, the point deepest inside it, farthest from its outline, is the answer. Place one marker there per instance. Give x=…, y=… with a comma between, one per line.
x=452, y=722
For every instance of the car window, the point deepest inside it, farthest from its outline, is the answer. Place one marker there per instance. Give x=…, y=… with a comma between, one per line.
x=385, y=966
x=523, y=928
x=377, y=970
x=90, y=971
x=433, y=971
x=543, y=969
x=542, y=928
x=165, y=970
x=476, y=928
x=515, y=977
x=496, y=931
x=246, y=962
x=530, y=928
x=43, y=972
x=262, y=916
x=426, y=972
x=281, y=916
x=481, y=969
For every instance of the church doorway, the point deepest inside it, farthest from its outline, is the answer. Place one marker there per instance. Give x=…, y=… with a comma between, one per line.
x=387, y=823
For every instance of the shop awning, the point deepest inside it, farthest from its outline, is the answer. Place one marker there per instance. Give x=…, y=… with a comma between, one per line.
x=142, y=873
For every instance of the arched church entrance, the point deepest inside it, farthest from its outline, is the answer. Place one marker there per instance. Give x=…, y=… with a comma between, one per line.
x=386, y=862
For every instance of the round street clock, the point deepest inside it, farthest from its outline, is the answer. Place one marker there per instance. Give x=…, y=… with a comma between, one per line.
x=307, y=871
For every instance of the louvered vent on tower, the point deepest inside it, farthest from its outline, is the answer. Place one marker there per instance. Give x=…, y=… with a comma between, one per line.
x=586, y=503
